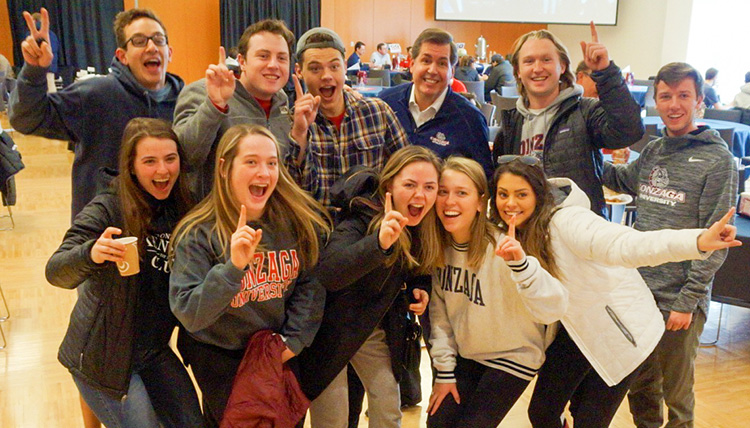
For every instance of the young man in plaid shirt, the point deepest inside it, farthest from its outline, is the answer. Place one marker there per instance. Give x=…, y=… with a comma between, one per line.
x=339, y=129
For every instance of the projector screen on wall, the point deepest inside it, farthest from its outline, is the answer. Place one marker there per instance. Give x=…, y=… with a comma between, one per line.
x=602, y=12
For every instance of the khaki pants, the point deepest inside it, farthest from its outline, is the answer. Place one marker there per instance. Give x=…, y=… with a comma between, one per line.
x=668, y=376
x=373, y=365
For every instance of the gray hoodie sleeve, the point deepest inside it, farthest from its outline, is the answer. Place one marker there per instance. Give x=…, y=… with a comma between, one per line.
x=304, y=313
x=200, y=290
x=718, y=196
x=197, y=122
x=622, y=178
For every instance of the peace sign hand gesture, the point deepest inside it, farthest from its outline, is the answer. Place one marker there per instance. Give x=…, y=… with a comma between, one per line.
x=220, y=81
x=391, y=226
x=720, y=235
x=305, y=109
x=595, y=54
x=244, y=242
x=509, y=248
x=37, y=49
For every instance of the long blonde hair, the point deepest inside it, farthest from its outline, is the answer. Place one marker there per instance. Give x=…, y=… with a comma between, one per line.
x=429, y=250
x=482, y=229
x=288, y=206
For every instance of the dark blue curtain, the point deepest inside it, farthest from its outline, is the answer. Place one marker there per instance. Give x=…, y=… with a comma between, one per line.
x=236, y=15
x=84, y=28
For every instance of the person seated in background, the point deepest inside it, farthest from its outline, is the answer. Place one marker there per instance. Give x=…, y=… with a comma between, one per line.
x=210, y=106
x=405, y=63
x=742, y=99
x=554, y=123
x=466, y=71
x=232, y=63
x=583, y=78
x=433, y=115
x=380, y=58
x=710, y=98
x=356, y=56
x=501, y=74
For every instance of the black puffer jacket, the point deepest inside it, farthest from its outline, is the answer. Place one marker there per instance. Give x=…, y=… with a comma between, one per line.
x=362, y=291
x=581, y=127
x=100, y=343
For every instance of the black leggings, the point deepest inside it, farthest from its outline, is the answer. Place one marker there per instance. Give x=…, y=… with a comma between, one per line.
x=568, y=376
x=487, y=395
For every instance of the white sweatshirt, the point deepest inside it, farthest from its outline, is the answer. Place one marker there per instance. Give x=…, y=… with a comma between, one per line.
x=497, y=315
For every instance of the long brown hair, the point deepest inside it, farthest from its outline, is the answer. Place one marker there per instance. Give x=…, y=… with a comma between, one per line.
x=288, y=206
x=137, y=213
x=534, y=234
x=429, y=251
x=482, y=229
x=567, y=79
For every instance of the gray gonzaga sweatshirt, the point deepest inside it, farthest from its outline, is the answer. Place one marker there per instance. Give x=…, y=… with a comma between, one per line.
x=680, y=182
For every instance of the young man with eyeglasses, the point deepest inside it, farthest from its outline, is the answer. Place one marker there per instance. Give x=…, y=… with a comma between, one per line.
x=92, y=113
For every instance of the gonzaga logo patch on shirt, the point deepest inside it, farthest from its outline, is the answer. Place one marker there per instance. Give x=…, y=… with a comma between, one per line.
x=657, y=191
x=439, y=139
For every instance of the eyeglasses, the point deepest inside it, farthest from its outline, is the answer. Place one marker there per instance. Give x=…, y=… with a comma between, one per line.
x=140, y=41
x=526, y=160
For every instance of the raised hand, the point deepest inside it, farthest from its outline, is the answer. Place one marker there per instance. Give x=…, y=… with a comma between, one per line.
x=106, y=249
x=423, y=299
x=439, y=392
x=244, y=242
x=509, y=248
x=720, y=235
x=305, y=110
x=220, y=81
x=595, y=54
x=37, y=49
x=392, y=225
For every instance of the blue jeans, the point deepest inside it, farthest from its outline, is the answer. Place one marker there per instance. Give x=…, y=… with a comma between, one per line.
x=160, y=391
x=135, y=411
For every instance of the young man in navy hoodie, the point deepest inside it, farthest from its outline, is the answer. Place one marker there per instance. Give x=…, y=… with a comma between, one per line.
x=686, y=179
x=92, y=113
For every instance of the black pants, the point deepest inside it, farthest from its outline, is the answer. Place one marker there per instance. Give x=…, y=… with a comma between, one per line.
x=568, y=376
x=487, y=395
x=214, y=369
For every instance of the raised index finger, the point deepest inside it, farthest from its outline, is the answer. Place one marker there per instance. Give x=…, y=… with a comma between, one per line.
x=728, y=216
x=222, y=56
x=512, y=227
x=388, y=203
x=243, y=217
x=594, y=35
x=297, y=86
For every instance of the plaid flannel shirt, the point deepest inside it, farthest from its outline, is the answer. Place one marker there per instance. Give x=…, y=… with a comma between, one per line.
x=370, y=133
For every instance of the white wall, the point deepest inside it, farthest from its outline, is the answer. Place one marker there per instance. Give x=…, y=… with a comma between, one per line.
x=718, y=39
x=648, y=34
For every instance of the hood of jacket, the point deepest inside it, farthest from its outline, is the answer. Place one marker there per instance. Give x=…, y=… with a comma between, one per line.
x=745, y=89
x=359, y=181
x=568, y=194
x=122, y=73
x=573, y=91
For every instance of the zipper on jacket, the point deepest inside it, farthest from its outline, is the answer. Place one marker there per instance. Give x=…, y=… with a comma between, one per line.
x=620, y=325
